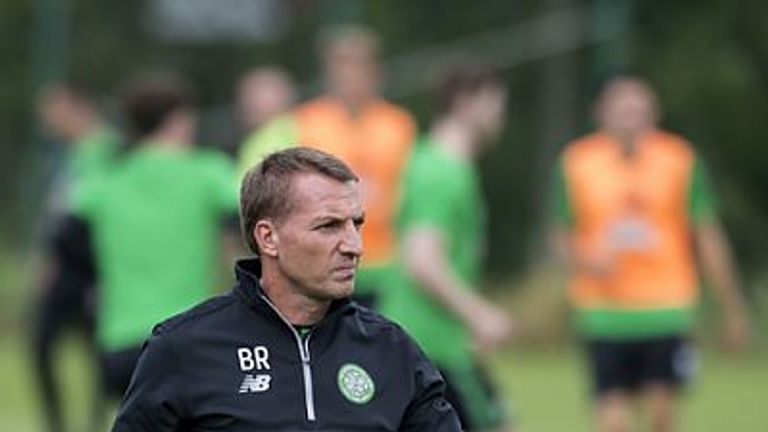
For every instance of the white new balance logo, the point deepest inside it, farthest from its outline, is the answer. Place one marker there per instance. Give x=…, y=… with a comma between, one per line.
x=254, y=358
x=255, y=383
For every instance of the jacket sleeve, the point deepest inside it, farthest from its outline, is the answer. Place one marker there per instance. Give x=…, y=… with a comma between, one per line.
x=429, y=410
x=153, y=400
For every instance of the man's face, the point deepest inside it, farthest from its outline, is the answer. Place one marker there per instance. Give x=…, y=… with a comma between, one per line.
x=262, y=96
x=485, y=111
x=351, y=70
x=490, y=110
x=58, y=111
x=318, y=243
x=627, y=109
x=183, y=122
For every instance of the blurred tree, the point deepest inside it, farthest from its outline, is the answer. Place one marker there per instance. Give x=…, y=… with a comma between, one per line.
x=15, y=22
x=709, y=61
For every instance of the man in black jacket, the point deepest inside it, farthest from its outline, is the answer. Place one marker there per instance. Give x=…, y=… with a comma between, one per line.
x=286, y=349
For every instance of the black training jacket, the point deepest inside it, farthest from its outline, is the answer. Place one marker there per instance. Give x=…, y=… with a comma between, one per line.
x=234, y=363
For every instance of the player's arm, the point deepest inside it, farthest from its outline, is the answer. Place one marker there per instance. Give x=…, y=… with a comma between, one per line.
x=225, y=198
x=560, y=232
x=429, y=410
x=559, y=244
x=717, y=261
x=719, y=269
x=427, y=263
x=153, y=402
x=561, y=220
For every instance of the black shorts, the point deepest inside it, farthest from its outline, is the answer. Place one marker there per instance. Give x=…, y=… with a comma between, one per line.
x=631, y=364
x=116, y=370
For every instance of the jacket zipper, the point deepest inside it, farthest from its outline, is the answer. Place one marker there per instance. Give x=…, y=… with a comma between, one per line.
x=303, y=345
x=309, y=398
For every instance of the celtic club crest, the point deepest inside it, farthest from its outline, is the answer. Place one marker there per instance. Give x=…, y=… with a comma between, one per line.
x=355, y=383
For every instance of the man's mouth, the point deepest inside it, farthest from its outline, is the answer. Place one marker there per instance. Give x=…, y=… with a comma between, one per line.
x=345, y=271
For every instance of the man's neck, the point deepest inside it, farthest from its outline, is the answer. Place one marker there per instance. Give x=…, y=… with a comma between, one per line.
x=628, y=143
x=454, y=138
x=298, y=309
x=628, y=146
x=353, y=104
x=168, y=140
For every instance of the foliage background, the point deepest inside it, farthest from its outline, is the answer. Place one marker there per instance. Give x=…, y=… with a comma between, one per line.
x=707, y=58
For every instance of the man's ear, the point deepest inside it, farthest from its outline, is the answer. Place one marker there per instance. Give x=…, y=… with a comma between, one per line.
x=266, y=237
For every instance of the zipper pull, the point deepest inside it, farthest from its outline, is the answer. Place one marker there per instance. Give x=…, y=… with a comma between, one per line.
x=305, y=357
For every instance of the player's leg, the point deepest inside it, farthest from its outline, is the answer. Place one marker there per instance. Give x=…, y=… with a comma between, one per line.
x=612, y=368
x=476, y=401
x=75, y=286
x=669, y=363
x=76, y=250
x=613, y=411
x=60, y=308
x=49, y=323
x=661, y=407
x=67, y=277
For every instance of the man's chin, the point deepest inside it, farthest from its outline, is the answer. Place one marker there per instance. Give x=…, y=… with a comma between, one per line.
x=344, y=290
x=337, y=291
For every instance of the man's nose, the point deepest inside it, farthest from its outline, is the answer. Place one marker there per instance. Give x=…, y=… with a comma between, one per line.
x=352, y=243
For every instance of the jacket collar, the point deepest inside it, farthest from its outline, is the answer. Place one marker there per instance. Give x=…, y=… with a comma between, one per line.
x=248, y=288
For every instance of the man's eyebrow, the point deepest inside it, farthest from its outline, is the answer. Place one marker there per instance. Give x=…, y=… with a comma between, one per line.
x=323, y=218
x=336, y=218
x=326, y=218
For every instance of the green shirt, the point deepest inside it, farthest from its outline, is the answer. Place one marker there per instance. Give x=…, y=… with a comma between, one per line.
x=443, y=193
x=156, y=219
x=277, y=134
x=90, y=156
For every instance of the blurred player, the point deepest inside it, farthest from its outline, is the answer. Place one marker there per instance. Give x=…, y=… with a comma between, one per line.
x=156, y=220
x=633, y=205
x=68, y=112
x=353, y=122
x=264, y=97
x=442, y=224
